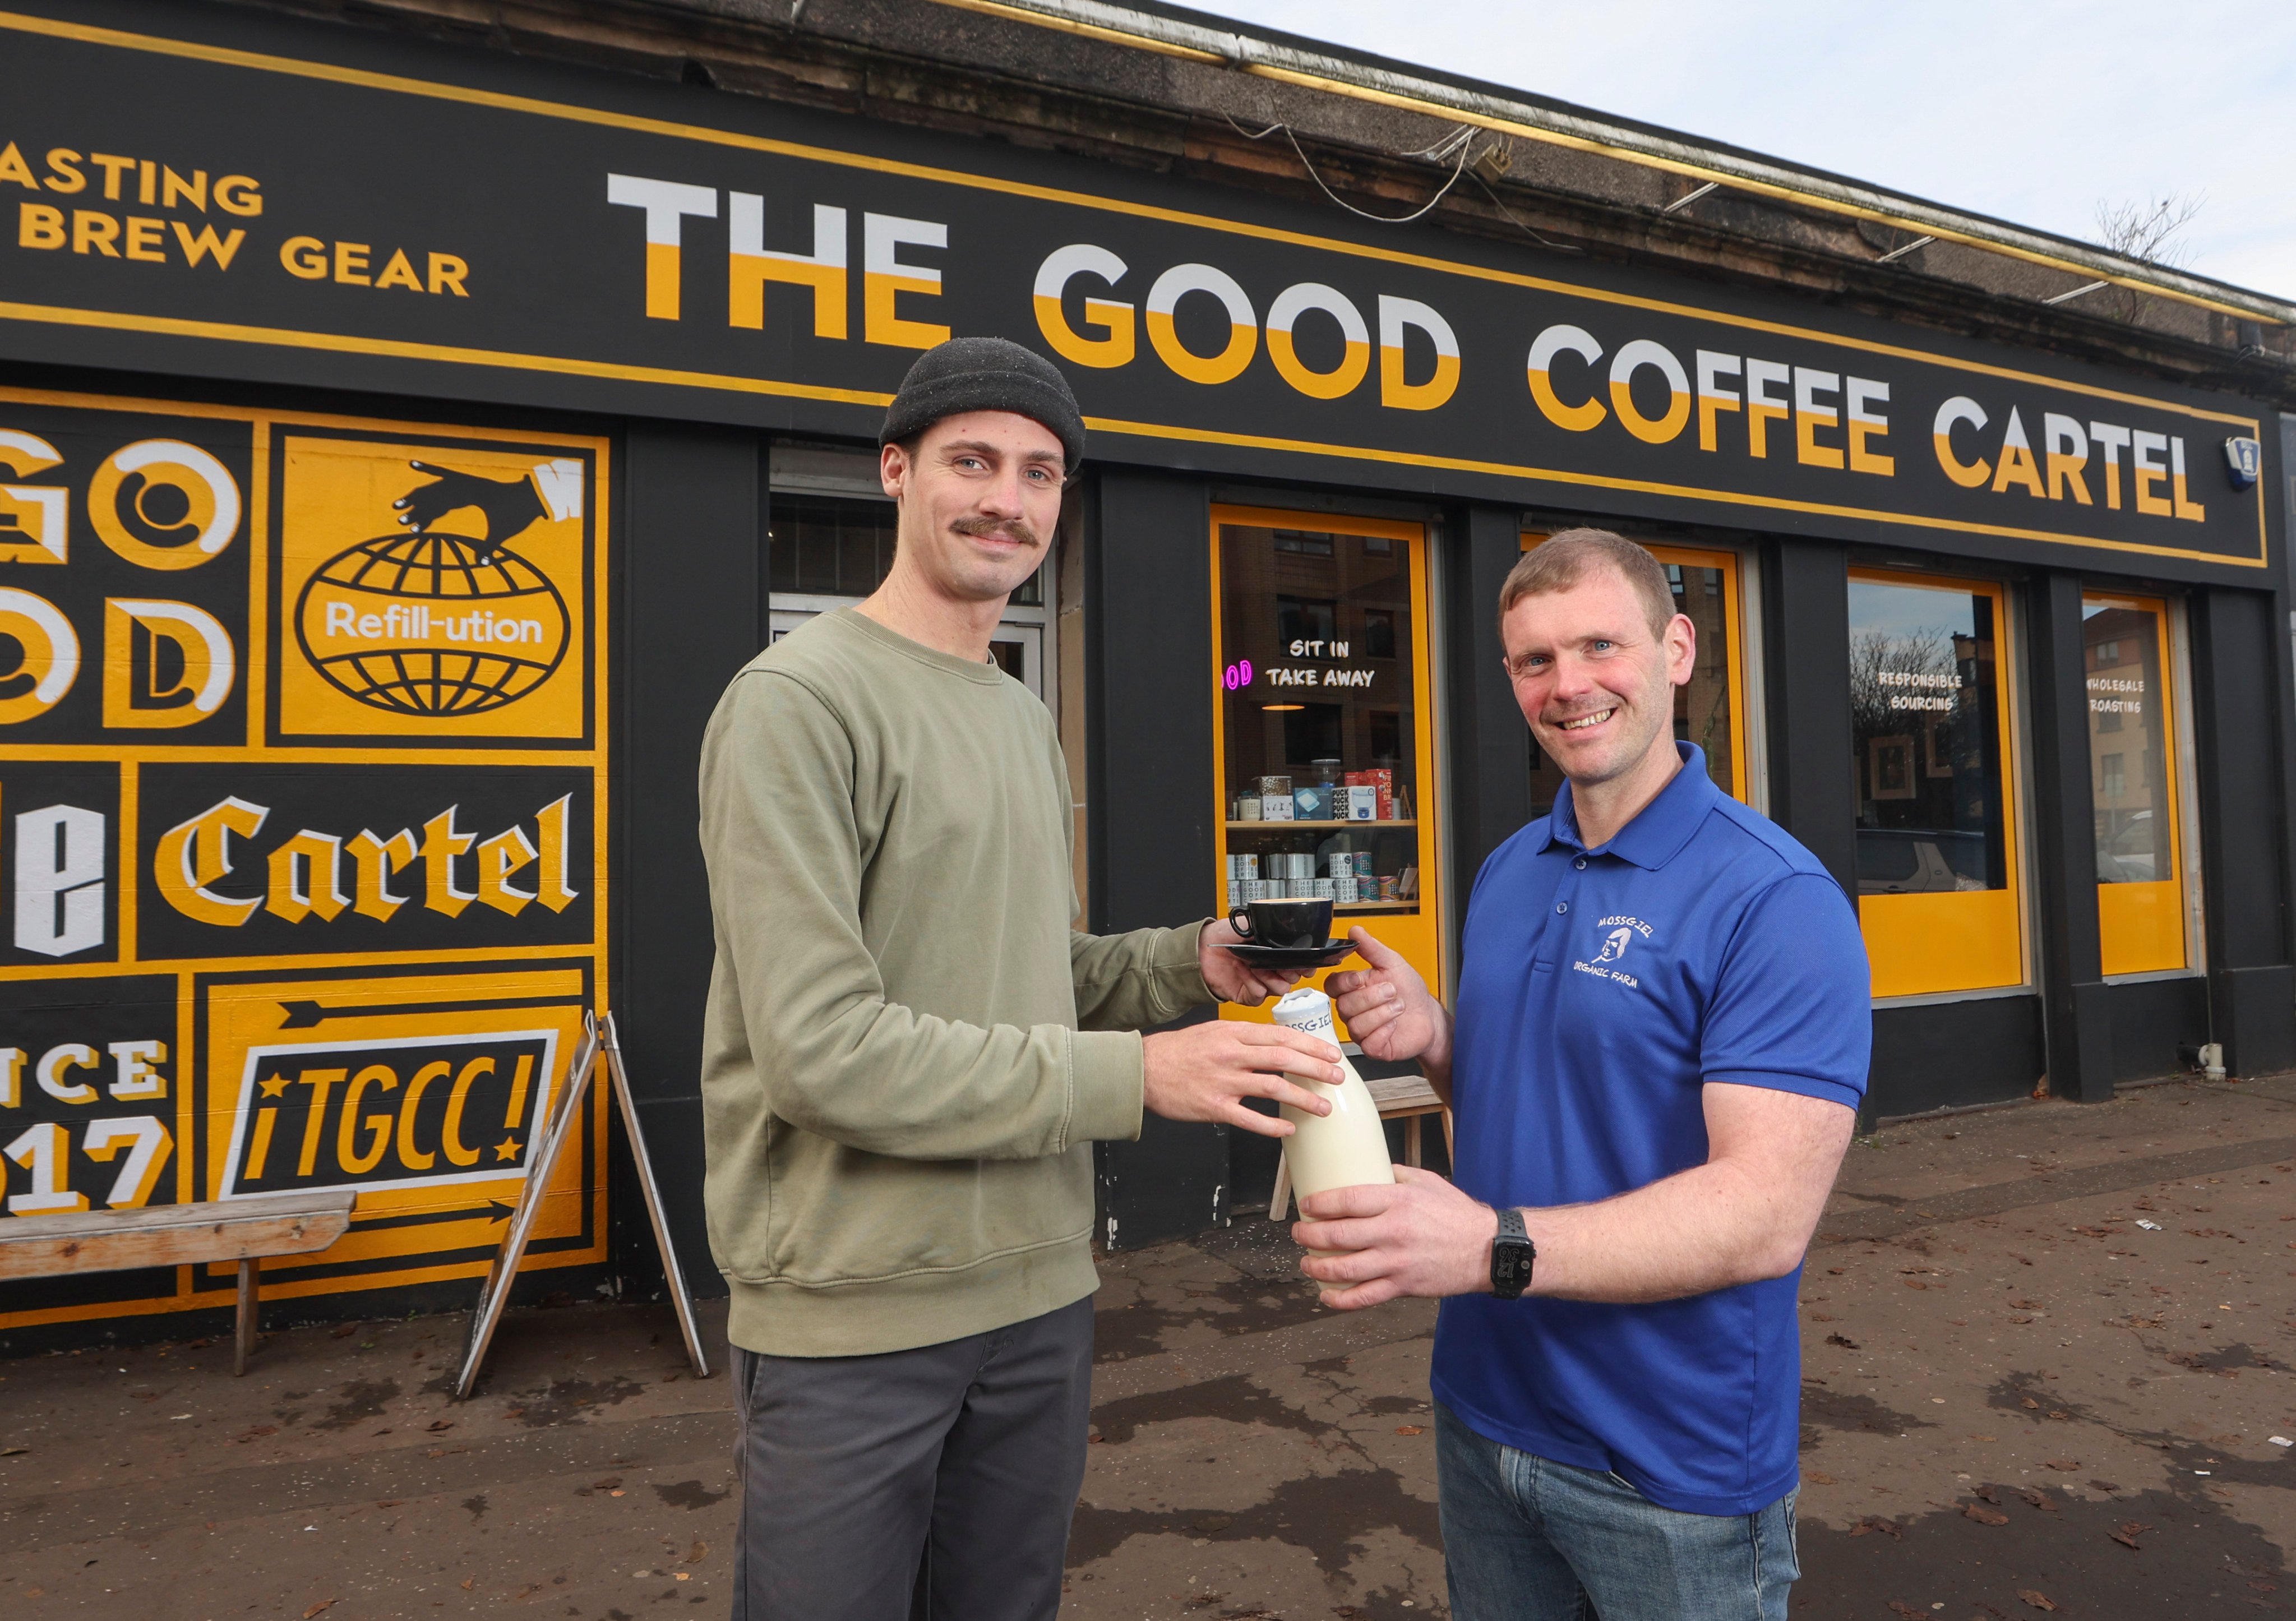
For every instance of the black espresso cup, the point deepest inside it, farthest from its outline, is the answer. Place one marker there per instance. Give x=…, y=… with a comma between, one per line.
x=1291, y=925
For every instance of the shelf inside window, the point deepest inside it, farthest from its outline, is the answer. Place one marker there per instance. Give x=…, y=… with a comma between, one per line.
x=1279, y=826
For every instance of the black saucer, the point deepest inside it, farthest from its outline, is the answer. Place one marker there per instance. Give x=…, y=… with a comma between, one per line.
x=1327, y=954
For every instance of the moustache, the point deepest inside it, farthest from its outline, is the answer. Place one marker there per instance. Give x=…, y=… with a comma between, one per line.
x=1015, y=530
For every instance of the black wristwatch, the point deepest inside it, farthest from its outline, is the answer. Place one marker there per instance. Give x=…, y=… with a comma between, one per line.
x=1511, y=1255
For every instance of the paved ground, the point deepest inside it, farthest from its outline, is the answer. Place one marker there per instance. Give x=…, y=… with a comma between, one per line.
x=2019, y=1401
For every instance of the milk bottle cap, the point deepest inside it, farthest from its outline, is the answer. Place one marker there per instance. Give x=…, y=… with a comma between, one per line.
x=1306, y=1008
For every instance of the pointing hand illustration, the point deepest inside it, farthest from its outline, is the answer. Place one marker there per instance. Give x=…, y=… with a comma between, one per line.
x=509, y=506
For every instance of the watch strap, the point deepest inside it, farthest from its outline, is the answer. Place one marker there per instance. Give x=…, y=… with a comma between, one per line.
x=1513, y=1256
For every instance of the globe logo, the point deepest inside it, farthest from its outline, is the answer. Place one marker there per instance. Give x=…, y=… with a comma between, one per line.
x=431, y=624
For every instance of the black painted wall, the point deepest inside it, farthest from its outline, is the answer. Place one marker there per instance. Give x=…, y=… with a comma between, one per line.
x=2078, y=1016
x=2240, y=700
x=689, y=605
x=1489, y=744
x=1806, y=645
x=1152, y=844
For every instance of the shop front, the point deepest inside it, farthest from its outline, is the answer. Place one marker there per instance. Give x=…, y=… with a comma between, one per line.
x=320, y=834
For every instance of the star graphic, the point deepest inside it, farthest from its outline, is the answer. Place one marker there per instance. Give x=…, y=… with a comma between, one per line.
x=507, y=1149
x=275, y=1087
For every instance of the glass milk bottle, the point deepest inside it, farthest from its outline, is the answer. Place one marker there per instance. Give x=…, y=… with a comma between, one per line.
x=1346, y=1148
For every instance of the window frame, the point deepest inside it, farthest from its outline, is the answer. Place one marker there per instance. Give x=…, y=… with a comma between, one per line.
x=2009, y=699
x=1749, y=773
x=2177, y=790
x=1420, y=936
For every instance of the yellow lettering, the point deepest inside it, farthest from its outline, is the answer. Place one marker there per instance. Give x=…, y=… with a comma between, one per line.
x=39, y=225
x=147, y=183
x=306, y=879
x=447, y=273
x=377, y=859
x=100, y=232
x=238, y=194
x=110, y=166
x=198, y=247
x=195, y=852
x=552, y=886
x=450, y=1139
x=259, y=1149
x=399, y=273
x=15, y=170
x=499, y=858
x=175, y=189
x=304, y=257
x=347, y=1153
x=320, y=1082
x=350, y=264
x=409, y=1156
x=441, y=845
x=146, y=242
x=64, y=173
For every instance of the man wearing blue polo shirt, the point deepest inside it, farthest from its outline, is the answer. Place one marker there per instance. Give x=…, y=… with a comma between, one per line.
x=1660, y=1045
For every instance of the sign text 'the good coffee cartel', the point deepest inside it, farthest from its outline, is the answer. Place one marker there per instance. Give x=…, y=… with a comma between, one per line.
x=785, y=262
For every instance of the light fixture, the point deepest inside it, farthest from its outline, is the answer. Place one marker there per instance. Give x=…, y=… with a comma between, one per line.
x=1282, y=707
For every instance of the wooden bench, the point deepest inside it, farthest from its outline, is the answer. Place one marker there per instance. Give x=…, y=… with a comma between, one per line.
x=1407, y=1098
x=241, y=1230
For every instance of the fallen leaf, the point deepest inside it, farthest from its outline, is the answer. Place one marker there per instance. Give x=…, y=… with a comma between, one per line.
x=2037, y=1600
x=469, y=1582
x=2066, y=1464
x=697, y=1553
x=439, y=1424
x=342, y=1330
x=1990, y=1493
x=1897, y=1608
x=1984, y=1517
x=2031, y=1404
x=1844, y=1342
x=11, y=1452
x=1874, y=1522
x=608, y=1484
x=1823, y=1317
x=1818, y=1477
x=1836, y=1271
x=1914, y=1283
x=1410, y=1429
x=2127, y=1535
x=391, y=1502
x=1977, y=1437
x=315, y=1608
x=2039, y=1500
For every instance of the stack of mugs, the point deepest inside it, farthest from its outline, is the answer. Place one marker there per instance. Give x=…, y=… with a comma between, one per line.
x=1291, y=875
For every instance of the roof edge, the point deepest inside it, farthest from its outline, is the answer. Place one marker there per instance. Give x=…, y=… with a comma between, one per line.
x=1494, y=109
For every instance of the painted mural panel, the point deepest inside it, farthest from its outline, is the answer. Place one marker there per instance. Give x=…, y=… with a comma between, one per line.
x=302, y=824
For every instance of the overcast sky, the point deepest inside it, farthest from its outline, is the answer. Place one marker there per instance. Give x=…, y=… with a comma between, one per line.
x=2033, y=112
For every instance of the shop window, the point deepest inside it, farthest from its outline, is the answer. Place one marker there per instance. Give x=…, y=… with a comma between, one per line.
x=1708, y=709
x=1321, y=673
x=2141, y=910
x=1937, y=880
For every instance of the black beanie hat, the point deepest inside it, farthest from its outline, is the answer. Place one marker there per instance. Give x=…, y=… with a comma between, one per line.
x=985, y=374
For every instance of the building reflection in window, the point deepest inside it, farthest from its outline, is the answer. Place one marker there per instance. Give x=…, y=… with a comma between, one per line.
x=2140, y=895
x=1936, y=860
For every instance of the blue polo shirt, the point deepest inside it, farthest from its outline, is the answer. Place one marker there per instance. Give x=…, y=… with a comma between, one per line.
x=1600, y=991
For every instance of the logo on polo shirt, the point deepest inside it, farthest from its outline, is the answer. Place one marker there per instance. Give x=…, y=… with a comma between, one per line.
x=1619, y=933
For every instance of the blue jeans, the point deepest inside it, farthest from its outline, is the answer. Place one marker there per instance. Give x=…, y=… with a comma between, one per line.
x=1526, y=1539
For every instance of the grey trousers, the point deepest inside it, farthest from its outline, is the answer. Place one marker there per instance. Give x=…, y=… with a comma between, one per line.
x=932, y=1485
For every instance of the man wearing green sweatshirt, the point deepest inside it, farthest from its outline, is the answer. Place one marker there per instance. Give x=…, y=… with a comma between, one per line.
x=909, y=1053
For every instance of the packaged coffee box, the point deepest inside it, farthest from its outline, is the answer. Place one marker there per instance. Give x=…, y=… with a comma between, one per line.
x=1382, y=780
x=1313, y=802
x=1361, y=803
x=1275, y=808
x=1275, y=785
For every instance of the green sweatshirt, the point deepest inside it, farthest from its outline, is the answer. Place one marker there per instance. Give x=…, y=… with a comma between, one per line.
x=908, y=1052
